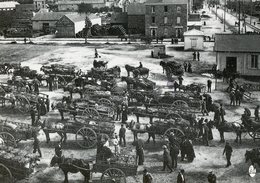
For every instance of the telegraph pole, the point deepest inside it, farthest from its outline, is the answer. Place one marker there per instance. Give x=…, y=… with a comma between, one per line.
x=251, y=7
x=238, y=16
x=225, y=15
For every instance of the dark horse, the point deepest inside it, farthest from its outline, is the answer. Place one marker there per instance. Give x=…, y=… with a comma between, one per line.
x=229, y=127
x=115, y=71
x=68, y=165
x=253, y=156
x=98, y=64
x=129, y=69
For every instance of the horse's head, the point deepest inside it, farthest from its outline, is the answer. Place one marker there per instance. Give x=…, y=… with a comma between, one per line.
x=56, y=160
x=162, y=63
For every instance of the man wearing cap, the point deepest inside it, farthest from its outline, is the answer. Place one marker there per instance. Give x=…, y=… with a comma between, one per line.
x=147, y=177
x=122, y=132
x=228, y=151
x=180, y=177
x=166, y=158
x=212, y=177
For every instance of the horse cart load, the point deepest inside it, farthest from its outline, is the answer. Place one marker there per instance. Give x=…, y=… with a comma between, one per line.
x=15, y=164
x=59, y=69
x=172, y=68
x=6, y=67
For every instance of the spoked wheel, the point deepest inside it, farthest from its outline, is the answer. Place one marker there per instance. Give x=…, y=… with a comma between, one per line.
x=138, y=97
x=86, y=137
x=23, y=104
x=88, y=93
x=93, y=114
x=5, y=174
x=8, y=139
x=174, y=116
x=113, y=175
x=180, y=104
x=178, y=134
x=257, y=134
x=105, y=102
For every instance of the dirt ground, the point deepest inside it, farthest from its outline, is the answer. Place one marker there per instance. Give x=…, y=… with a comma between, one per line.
x=207, y=158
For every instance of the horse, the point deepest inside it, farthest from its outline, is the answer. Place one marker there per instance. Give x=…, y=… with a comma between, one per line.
x=129, y=69
x=115, y=71
x=136, y=128
x=98, y=64
x=140, y=71
x=164, y=65
x=68, y=165
x=229, y=127
x=253, y=156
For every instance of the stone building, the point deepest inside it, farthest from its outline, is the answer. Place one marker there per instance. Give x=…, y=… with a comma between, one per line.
x=72, y=5
x=136, y=18
x=166, y=18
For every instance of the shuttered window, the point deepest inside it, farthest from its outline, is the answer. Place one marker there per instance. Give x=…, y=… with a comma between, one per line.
x=254, y=62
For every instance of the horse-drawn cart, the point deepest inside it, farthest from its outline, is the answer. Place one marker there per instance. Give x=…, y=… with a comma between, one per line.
x=251, y=126
x=15, y=164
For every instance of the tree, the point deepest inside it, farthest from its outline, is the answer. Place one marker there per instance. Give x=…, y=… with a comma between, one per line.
x=85, y=8
x=87, y=28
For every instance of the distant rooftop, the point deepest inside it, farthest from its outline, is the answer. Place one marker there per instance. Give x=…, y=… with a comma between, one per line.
x=50, y=16
x=237, y=43
x=162, y=2
x=8, y=4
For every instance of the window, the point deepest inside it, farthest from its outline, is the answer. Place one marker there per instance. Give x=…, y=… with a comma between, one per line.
x=178, y=20
x=178, y=9
x=153, y=9
x=193, y=43
x=153, y=19
x=165, y=20
x=165, y=8
x=254, y=61
x=165, y=32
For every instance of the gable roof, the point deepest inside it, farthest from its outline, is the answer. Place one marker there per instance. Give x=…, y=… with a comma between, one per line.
x=136, y=9
x=193, y=32
x=162, y=2
x=49, y=16
x=75, y=17
x=237, y=43
x=118, y=18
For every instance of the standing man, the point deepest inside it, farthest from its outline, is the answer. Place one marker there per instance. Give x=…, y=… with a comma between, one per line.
x=205, y=134
x=175, y=85
x=174, y=151
x=257, y=113
x=58, y=150
x=212, y=177
x=204, y=107
x=180, y=78
x=228, y=151
x=147, y=177
x=96, y=53
x=222, y=113
x=50, y=81
x=185, y=66
x=217, y=115
x=180, y=177
x=151, y=132
x=232, y=98
x=122, y=135
x=47, y=103
x=139, y=152
x=198, y=55
x=32, y=112
x=166, y=159
x=36, y=146
x=124, y=113
x=118, y=112
x=194, y=56
x=36, y=87
x=209, y=83
x=189, y=68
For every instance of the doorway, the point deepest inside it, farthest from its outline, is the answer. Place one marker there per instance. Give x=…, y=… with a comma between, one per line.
x=231, y=64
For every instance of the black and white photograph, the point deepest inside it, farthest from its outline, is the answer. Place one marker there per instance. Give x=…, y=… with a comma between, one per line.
x=129, y=91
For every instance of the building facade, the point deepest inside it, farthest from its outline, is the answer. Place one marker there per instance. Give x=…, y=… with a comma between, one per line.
x=72, y=5
x=193, y=40
x=238, y=53
x=136, y=18
x=166, y=18
x=40, y=4
x=7, y=14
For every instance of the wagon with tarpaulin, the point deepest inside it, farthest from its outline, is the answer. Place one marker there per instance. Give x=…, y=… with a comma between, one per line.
x=16, y=164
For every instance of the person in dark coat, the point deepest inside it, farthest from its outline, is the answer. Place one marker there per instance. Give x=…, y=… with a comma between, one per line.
x=32, y=112
x=205, y=134
x=50, y=82
x=122, y=132
x=194, y=55
x=147, y=177
x=232, y=98
x=204, y=108
x=36, y=87
x=210, y=137
x=257, y=113
x=139, y=146
x=217, y=116
x=238, y=96
x=166, y=159
x=36, y=146
x=151, y=133
x=47, y=103
x=212, y=177
x=228, y=151
x=140, y=65
x=38, y=108
x=200, y=125
x=198, y=55
x=124, y=113
x=209, y=83
x=189, y=68
x=43, y=109
x=180, y=78
x=181, y=177
x=185, y=65
x=175, y=85
x=118, y=112
x=174, y=151
x=58, y=150
x=222, y=113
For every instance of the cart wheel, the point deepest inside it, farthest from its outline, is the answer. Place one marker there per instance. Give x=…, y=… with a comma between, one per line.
x=178, y=134
x=61, y=81
x=251, y=134
x=86, y=137
x=138, y=97
x=105, y=102
x=174, y=116
x=180, y=104
x=88, y=93
x=93, y=114
x=113, y=175
x=257, y=134
x=22, y=104
x=5, y=174
x=8, y=139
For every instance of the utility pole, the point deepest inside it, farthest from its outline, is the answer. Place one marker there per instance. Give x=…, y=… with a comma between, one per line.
x=238, y=16
x=225, y=5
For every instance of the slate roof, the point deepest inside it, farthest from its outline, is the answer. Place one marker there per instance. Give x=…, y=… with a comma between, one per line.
x=136, y=9
x=237, y=43
x=155, y=2
x=76, y=17
x=49, y=16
